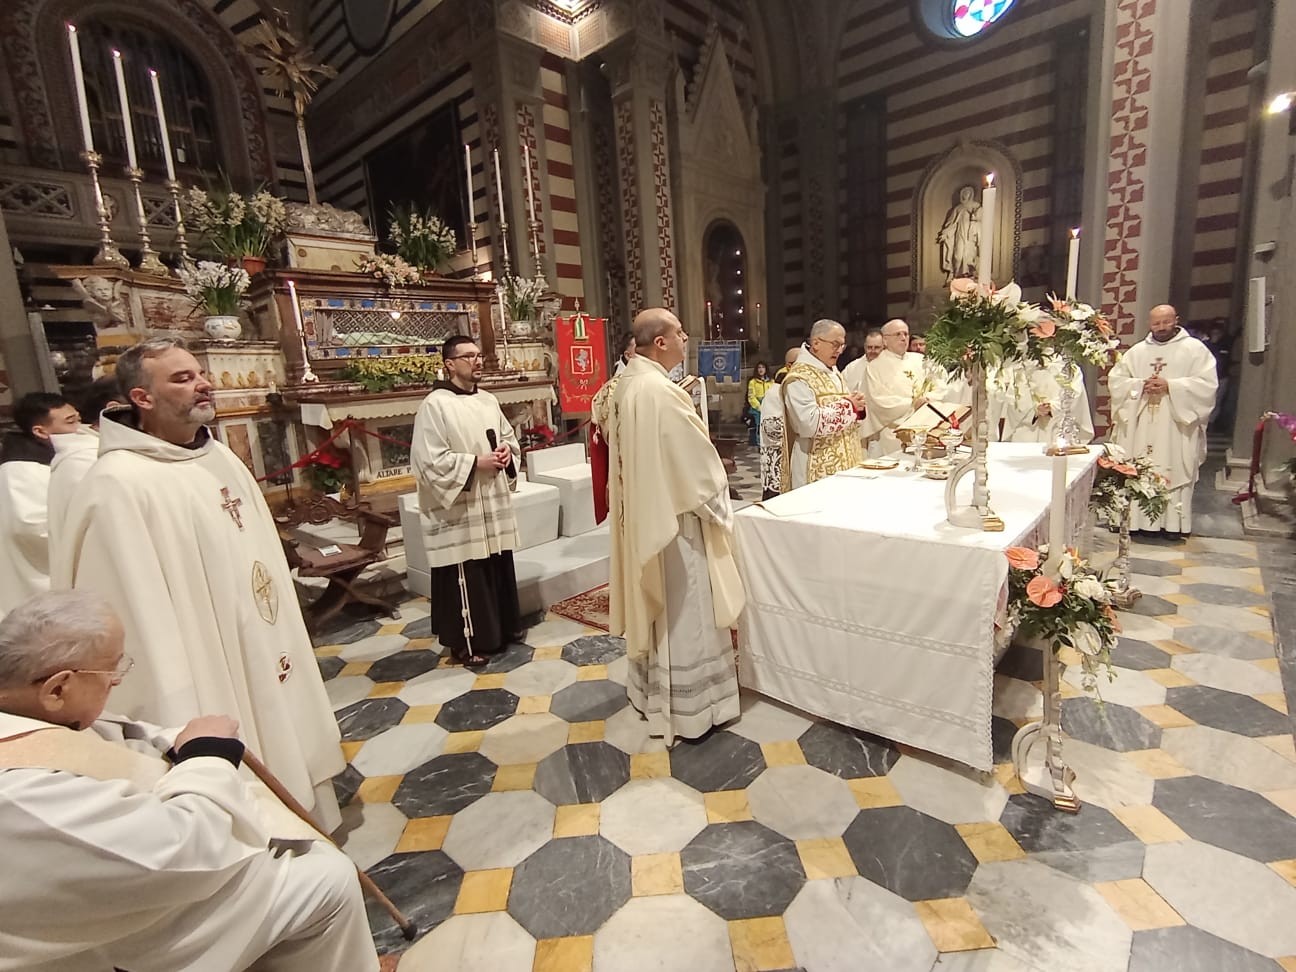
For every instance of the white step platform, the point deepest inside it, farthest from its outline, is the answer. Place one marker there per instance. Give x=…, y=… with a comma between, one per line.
x=567, y=468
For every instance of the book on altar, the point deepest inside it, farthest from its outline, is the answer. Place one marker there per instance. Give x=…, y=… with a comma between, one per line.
x=936, y=415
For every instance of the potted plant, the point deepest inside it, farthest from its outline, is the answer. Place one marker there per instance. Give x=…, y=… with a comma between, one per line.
x=239, y=228
x=385, y=374
x=217, y=290
x=422, y=239
x=521, y=298
x=328, y=471
x=390, y=268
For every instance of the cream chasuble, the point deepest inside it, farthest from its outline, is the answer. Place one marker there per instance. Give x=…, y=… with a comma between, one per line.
x=1022, y=421
x=24, y=532
x=182, y=544
x=74, y=454
x=891, y=383
x=1173, y=430
x=449, y=435
x=674, y=586
x=820, y=425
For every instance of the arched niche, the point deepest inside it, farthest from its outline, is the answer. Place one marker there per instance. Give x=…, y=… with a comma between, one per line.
x=724, y=272
x=966, y=163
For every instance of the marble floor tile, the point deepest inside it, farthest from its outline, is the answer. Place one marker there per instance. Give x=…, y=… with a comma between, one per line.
x=499, y=830
x=802, y=802
x=910, y=853
x=1228, y=817
x=632, y=940
x=369, y=832
x=652, y=816
x=982, y=960
x=540, y=677
x=330, y=666
x=718, y=761
x=1189, y=949
x=1126, y=686
x=589, y=701
x=437, y=687
x=473, y=943
x=557, y=631
x=1115, y=862
x=1226, y=905
x=483, y=891
x=846, y=752
x=523, y=738
x=1151, y=605
x=478, y=709
x=1107, y=725
x=656, y=874
x=1138, y=905
x=1046, y=919
x=825, y=857
x=1149, y=824
x=953, y=925
x=946, y=790
x=618, y=671
x=582, y=773
x=742, y=870
x=850, y=924
x=1158, y=585
x=1229, y=758
x=766, y=720
x=1213, y=615
x=570, y=887
x=400, y=749
x=1225, y=594
x=372, y=648
x=1145, y=629
x=423, y=834
x=1015, y=699
x=368, y=717
x=1227, y=674
x=1022, y=662
x=348, y=634
x=1224, y=545
x=403, y=665
x=1229, y=711
x=424, y=886
x=445, y=785
x=1106, y=779
x=628, y=732
x=1222, y=574
x=510, y=659
x=1038, y=827
x=596, y=649
x=760, y=943
x=347, y=689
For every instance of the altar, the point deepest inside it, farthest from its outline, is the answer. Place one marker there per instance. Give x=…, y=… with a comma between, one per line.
x=864, y=606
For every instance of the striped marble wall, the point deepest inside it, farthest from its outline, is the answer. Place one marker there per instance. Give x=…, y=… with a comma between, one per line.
x=999, y=88
x=686, y=24
x=790, y=232
x=1224, y=132
x=560, y=183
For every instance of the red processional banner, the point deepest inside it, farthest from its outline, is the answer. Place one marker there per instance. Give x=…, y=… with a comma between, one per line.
x=582, y=360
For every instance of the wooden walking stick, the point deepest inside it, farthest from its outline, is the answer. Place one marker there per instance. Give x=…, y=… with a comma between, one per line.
x=408, y=928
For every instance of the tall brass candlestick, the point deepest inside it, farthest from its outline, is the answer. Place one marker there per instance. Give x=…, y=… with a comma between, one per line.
x=108, y=255
x=182, y=241
x=149, y=261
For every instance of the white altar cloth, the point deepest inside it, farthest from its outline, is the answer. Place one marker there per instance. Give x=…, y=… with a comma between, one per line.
x=864, y=606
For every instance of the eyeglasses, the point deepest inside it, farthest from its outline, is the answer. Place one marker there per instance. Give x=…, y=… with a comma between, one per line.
x=116, y=674
x=835, y=345
x=468, y=357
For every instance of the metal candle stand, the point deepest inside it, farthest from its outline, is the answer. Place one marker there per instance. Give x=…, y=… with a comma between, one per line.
x=149, y=262
x=108, y=255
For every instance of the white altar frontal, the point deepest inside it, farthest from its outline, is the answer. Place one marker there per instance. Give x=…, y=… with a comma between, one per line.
x=864, y=606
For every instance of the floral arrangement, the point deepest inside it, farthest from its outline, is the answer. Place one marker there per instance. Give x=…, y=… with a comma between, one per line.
x=1287, y=422
x=521, y=297
x=236, y=226
x=384, y=374
x=214, y=287
x=1122, y=480
x=422, y=239
x=329, y=470
x=389, y=268
x=1073, y=610
x=1078, y=333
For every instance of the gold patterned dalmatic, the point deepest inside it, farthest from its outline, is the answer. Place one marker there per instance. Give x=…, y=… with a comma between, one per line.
x=835, y=445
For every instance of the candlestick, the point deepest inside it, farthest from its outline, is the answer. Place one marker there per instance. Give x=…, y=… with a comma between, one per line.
x=162, y=125
x=503, y=217
x=182, y=241
x=83, y=107
x=127, y=127
x=308, y=376
x=985, y=257
x=526, y=167
x=708, y=329
x=108, y=255
x=472, y=213
x=1057, y=513
x=149, y=262
x=503, y=332
x=1073, y=262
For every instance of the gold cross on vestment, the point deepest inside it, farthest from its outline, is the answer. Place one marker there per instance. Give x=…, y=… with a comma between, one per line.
x=1158, y=366
x=231, y=506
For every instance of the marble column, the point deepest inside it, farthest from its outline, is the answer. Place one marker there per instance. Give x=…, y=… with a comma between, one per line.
x=639, y=66
x=20, y=359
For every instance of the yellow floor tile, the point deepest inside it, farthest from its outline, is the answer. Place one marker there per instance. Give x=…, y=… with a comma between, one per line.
x=1149, y=824
x=576, y=820
x=1275, y=700
x=1286, y=799
x=424, y=834
x=396, y=627
x=354, y=668
x=1287, y=869
x=379, y=789
x=785, y=753
x=349, y=750
x=760, y=944
x=552, y=653
x=591, y=673
x=656, y=874
x=1282, y=745
x=1165, y=716
x=1262, y=611
x=385, y=690
x=421, y=713
x=875, y=791
x=1138, y=905
x=1168, y=677
x=727, y=806
x=990, y=842
x=1287, y=964
x=1175, y=621
x=1173, y=647
x=953, y=925
x=519, y=776
x=1268, y=664
x=1266, y=636
x=420, y=644
x=1006, y=774
x=1067, y=691
x=1157, y=764
x=649, y=766
x=464, y=742
x=564, y=954
x=328, y=651
x=484, y=891
x=826, y=857
x=533, y=704
x=490, y=680
x=1068, y=656
x=1179, y=599
x=583, y=732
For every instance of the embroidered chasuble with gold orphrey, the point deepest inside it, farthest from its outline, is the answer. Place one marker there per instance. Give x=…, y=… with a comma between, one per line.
x=835, y=443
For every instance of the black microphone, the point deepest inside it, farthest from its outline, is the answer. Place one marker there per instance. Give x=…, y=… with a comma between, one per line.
x=494, y=444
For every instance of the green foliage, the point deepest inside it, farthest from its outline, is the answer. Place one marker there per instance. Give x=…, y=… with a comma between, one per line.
x=384, y=374
x=975, y=329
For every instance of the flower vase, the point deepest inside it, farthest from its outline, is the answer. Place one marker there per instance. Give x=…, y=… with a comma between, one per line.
x=978, y=516
x=222, y=327
x=1066, y=441
x=254, y=265
x=522, y=329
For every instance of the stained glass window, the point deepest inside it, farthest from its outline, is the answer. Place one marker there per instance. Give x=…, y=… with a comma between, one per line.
x=973, y=16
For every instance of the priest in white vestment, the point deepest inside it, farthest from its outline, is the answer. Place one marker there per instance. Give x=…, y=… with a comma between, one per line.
x=771, y=441
x=464, y=457
x=894, y=385
x=1162, y=393
x=172, y=528
x=24, y=488
x=75, y=452
x=119, y=856
x=674, y=589
x=1033, y=413
x=820, y=414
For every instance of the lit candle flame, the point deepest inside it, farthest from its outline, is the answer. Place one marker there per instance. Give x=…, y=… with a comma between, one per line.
x=1075, y=232
x=989, y=180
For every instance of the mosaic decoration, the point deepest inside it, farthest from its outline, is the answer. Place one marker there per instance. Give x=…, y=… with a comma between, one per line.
x=973, y=16
x=630, y=203
x=609, y=241
x=662, y=195
x=527, y=135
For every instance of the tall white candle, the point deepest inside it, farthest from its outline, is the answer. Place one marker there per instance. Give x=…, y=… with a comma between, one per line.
x=1057, y=512
x=985, y=259
x=708, y=330
x=162, y=125
x=526, y=167
x=83, y=106
x=131, y=161
x=499, y=182
x=1073, y=262
x=472, y=216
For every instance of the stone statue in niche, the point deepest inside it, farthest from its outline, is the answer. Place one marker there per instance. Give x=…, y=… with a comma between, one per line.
x=960, y=235
x=104, y=300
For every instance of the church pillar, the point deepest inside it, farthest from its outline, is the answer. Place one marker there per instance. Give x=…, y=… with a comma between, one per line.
x=640, y=66
x=20, y=365
x=1143, y=79
x=817, y=144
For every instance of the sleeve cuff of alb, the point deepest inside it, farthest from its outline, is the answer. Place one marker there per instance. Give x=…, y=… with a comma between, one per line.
x=221, y=747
